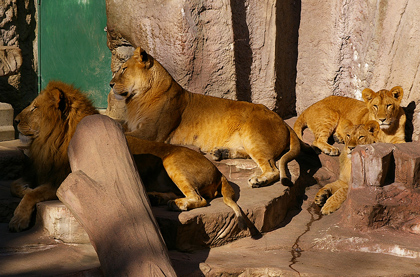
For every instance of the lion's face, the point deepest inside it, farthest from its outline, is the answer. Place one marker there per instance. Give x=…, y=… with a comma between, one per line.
x=360, y=135
x=383, y=105
x=31, y=121
x=134, y=77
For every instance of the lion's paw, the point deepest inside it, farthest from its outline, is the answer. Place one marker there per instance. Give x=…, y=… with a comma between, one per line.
x=256, y=182
x=322, y=196
x=329, y=208
x=19, y=223
x=332, y=151
x=175, y=206
x=219, y=154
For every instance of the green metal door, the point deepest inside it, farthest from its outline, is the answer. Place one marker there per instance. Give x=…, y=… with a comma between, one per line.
x=72, y=46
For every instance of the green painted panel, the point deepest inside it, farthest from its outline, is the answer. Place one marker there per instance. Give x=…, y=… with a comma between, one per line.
x=72, y=46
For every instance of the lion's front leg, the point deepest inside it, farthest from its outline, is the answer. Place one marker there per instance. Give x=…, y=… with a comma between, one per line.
x=335, y=201
x=22, y=215
x=19, y=187
x=331, y=196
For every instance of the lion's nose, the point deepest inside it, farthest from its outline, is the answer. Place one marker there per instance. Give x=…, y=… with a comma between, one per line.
x=111, y=85
x=17, y=120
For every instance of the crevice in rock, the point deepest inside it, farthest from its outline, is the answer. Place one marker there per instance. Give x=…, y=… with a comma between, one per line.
x=389, y=170
x=296, y=251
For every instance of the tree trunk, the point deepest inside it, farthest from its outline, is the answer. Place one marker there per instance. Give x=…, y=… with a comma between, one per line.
x=105, y=194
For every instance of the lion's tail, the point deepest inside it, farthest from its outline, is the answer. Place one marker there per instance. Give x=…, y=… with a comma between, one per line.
x=243, y=221
x=228, y=197
x=299, y=126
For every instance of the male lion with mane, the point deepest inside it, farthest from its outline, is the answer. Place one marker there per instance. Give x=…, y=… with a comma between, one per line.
x=159, y=109
x=48, y=124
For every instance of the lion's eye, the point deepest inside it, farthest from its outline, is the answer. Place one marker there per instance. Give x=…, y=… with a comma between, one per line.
x=389, y=106
x=375, y=107
x=34, y=108
x=361, y=137
x=123, y=69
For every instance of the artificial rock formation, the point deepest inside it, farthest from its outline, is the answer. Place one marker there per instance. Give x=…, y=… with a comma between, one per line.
x=231, y=49
x=18, y=58
x=346, y=46
x=105, y=194
x=385, y=188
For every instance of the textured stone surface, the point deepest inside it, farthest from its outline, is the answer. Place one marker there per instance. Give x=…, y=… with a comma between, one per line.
x=245, y=50
x=384, y=188
x=10, y=60
x=60, y=223
x=347, y=46
x=18, y=53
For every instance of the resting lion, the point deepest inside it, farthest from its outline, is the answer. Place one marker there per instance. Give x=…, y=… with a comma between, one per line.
x=48, y=123
x=194, y=175
x=332, y=195
x=159, y=109
x=323, y=117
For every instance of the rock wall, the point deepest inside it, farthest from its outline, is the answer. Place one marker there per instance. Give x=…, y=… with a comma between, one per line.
x=244, y=50
x=18, y=48
x=348, y=45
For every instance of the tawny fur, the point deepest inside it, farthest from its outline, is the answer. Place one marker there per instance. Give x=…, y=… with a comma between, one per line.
x=159, y=109
x=332, y=195
x=197, y=178
x=49, y=122
x=323, y=117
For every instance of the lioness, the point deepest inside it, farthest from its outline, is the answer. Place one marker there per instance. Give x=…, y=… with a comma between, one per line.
x=194, y=175
x=159, y=109
x=331, y=196
x=48, y=124
x=323, y=117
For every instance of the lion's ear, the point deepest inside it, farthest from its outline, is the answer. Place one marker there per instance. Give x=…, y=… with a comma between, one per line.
x=373, y=127
x=60, y=100
x=142, y=57
x=368, y=94
x=397, y=92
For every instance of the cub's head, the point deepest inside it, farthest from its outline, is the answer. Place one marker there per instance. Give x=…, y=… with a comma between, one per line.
x=359, y=134
x=57, y=109
x=139, y=75
x=384, y=105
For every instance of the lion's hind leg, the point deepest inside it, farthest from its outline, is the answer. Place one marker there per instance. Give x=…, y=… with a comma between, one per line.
x=270, y=173
x=161, y=198
x=323, y=130
x=23, y=212
x=192, y=198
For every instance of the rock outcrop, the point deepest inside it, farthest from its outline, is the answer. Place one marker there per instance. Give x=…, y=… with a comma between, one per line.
x=384, y=191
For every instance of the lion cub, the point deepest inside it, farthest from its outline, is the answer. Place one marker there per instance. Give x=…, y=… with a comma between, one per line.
x=332, y=195
x=194, y=175
x=323, y=118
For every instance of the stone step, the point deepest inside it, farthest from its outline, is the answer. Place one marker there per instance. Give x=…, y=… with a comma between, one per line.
x=7, y=132
x=211, y=226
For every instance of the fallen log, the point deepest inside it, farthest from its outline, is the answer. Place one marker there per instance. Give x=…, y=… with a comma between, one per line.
x=105, y=194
